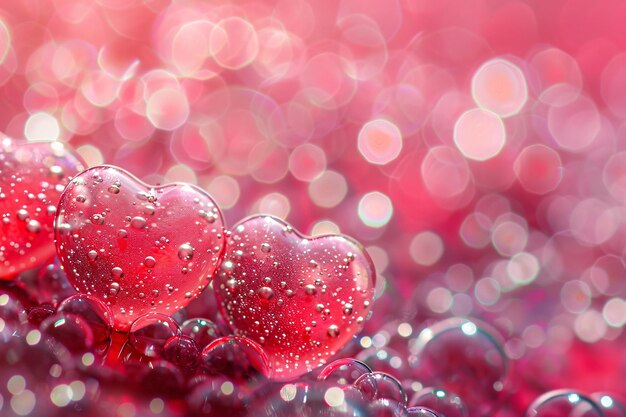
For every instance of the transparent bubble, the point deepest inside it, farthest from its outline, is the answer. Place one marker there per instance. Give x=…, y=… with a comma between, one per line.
x=71, y=330
x=343, y=371
x=464, y=357
x=94, y=311
x=149, y=333
x=420, y=411
x=441, y=401
x=315, y=399
x=237, y=358
x=379, y=385
x=182, y=351
x=563, y=403
x=201, y=330
x=218, y=396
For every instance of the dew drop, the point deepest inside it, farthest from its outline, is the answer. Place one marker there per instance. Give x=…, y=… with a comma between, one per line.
x=117, y=272
x=33, y=226
x=56, y=171
x=97, y=219
x=149, y=262
x=185, y=252
x=114, y=288
x=265, y=247
x=149, y=209
x=333, y=331
x=138, y=222
x=93, y=255
x=80, y=198
x=310, y=289
x=265, y=293
x=347, y=309
x=22, y=214
x=122, y=234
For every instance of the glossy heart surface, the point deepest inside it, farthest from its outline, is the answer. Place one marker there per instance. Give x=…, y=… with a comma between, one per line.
x=32, y=178
x=137, y=247
x=301, y=298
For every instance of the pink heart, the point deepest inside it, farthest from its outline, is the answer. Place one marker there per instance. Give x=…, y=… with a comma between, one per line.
x=32, y=178
x=137, y=247
x=301, y=298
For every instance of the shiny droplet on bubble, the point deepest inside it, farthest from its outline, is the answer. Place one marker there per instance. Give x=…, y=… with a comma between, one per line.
x=185, y=252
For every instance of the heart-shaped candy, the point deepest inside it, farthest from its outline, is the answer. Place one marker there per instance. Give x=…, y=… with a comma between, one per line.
x=136, y=247
x=32, y=178
x=301, y=298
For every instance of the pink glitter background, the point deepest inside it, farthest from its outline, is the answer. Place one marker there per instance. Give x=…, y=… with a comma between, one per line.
x=475, y=147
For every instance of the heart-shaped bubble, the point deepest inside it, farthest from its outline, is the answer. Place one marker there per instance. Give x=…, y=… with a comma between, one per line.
x=32, y=178
x=301, y=298
x=137, y=247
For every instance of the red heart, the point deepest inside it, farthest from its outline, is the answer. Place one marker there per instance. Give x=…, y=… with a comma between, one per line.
x=136, y=247
x=301, y=298
x=32, y=178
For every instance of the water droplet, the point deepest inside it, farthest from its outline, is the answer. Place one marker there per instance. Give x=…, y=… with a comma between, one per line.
x=333, y=331
x=265, y=292
x=115, y=187
x=51, y=210
x=114, y=288
x=313, y=263
x=149, y=209
x=122, y=234
x=97, y=219
x=80, y=198
x=22, y=214
x=93, y=255
x=33, y=226
x=138, y=222
x=265, y=247
x=267, y=280
x=117, y=272
x=185, y=252
x=347, y=309
x=149, y=262
x=56, y=171
x=310, y=289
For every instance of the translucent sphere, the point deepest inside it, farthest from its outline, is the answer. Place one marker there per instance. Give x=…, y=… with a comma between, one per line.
x=149, y=333
x=379, y=385
x=181, y=351
x=441, y=401
x=237, y=358
x=464, y=357
x=71, y=330
x=202, y=331
x=94, y=311
x=563, y=403
x=343, y=371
